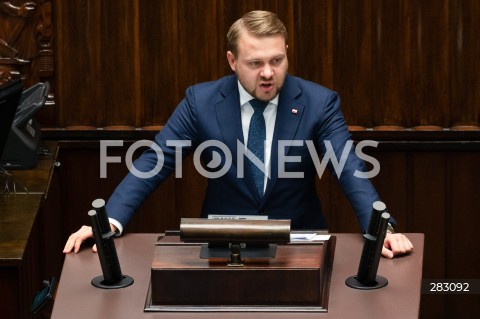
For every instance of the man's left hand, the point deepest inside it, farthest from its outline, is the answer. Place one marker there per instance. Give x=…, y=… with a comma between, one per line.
x=396, y=244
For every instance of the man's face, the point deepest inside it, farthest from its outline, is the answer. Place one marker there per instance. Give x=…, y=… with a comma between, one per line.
x=261, y=64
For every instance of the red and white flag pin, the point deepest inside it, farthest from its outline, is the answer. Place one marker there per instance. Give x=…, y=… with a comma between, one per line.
x=294, y=111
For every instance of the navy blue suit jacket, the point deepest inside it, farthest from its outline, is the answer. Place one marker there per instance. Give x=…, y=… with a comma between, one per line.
x=211, y=111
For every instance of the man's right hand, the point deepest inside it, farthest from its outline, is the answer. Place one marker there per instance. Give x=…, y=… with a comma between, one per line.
x=76, y=239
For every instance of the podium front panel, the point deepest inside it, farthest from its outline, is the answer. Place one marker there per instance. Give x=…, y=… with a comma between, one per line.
x=296, y=278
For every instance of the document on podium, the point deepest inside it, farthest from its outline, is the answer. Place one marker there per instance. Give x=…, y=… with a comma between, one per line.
x=308, y=237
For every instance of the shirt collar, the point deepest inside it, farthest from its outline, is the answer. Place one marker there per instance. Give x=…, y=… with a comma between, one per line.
x=245, y=97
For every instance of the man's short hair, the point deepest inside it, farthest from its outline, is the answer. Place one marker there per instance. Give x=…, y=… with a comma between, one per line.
x=257, y=23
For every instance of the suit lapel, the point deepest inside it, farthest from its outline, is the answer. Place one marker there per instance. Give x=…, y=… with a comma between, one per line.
x=228, y=115
x=289, y=112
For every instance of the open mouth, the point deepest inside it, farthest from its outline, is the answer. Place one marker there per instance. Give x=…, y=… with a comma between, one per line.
x=266, y=86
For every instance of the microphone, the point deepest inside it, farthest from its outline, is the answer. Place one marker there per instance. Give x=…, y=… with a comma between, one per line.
x=104, y=238
x=367, y=277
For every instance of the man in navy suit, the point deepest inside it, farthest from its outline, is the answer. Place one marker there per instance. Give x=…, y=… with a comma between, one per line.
x=297, y=121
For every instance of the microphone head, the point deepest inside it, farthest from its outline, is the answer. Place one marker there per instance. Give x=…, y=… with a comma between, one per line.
x=379, y=206
x=98, y=203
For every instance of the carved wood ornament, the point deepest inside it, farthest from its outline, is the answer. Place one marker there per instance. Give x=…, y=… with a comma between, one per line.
x=26, y=42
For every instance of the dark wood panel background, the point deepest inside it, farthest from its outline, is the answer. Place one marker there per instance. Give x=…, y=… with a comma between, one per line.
x=407, y=72
x=394, y=63
x=397, y=63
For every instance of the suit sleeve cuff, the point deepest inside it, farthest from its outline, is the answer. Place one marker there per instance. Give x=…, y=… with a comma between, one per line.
x=117, y=224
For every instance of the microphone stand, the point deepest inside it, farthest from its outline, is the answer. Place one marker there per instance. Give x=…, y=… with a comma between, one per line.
x=112, y=274
x=367, y=277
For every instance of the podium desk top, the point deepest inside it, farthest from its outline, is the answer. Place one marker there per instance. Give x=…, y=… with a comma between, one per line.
x=77, y=298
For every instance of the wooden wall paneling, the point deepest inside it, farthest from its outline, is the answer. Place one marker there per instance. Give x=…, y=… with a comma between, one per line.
x=10, y=306
x=130, y=63
x=286, y=11
x=78, y=63
x=428, y=97
x=198, y=55
x=117, y=104
x=158, y=46
x=428, y=215
x=462, y=217
x=393, y=71
x=311, y=41
x=236, y=9
x=390, y=59
x=464, y=49
x=97, y=63
x=462, y=306
x=227, y=13
x=352, y=60
x=429, y=198
x=463, y=208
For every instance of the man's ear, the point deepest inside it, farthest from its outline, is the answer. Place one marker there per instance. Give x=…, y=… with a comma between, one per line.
x=231, y=60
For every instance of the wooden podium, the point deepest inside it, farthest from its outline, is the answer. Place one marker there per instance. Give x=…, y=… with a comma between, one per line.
x=296, y=279
x=77, y=298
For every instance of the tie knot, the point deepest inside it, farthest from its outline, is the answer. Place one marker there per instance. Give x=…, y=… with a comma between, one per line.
x=258, y=105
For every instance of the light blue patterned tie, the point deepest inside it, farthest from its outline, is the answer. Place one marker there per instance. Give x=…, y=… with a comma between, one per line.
x=256, y=139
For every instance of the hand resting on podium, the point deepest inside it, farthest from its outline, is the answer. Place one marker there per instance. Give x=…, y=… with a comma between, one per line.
x=394, y=244
x=76, y=239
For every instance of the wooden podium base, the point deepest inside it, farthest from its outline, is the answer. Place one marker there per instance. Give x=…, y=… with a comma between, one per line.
x=297, y=279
